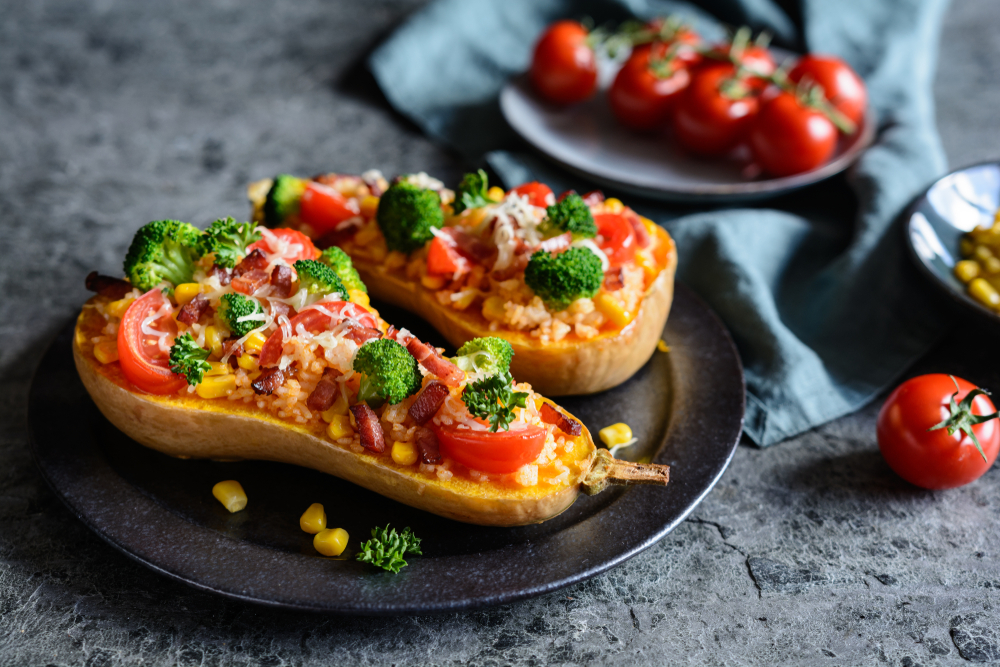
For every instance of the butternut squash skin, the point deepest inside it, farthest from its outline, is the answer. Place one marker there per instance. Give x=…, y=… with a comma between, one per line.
x=191, y=427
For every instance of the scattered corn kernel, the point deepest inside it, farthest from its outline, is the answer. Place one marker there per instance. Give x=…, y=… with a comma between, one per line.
x=313, y=520
x=340, y=427
x=118, y=308
x=217, y=368
x=613, y=309
x=662, y=346
x=331, y=542
x=395, y=260
x=247, y=362
x=404, y=453
x=216, y=386
x=432, y=282
x=185, y=292
x=983, y=292
x=106, y=351
x=493, y=308
x=616, y=434
x=339, y=407
x=254, y=342
x=613, y=205
x=982, y=253
x=213, y=340
x=496, y=194
x=966, y=270
x=231, y=494
x=369, y=207
x=359, y=297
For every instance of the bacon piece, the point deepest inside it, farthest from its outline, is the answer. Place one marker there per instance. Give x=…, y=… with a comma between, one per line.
x=641, y=233
x=471, y=246
x=113, y=288
x=278, y=309
x=336, y=237
x=192, y=311
x=593, y=198
x=251, y=281
x=427, y=442
x=391, y=332
x=428, y=402
x=268, y=380
x=255, y=261
x=360, y=334
x=224, y=275
x=281, y=281
x=270, y=351
x=435, y=364
x=232, y=347
x=568, y=426
x=325, y=393
x=372, y=436
x=614, y=279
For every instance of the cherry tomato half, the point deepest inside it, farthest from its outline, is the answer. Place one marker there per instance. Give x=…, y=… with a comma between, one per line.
x=787, y=137
x=642, y=96
x=538, y=194
x=291, y=244
x=564, y=67
x=713, y=113
x=618, y=237
x=934, y=459
x=842, y=86
x=444, y=259
x=499, y=453
x=143, y=362
x=323, y=208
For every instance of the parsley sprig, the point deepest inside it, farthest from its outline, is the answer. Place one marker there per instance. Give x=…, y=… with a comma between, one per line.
x=494, y=398
x=386, y=548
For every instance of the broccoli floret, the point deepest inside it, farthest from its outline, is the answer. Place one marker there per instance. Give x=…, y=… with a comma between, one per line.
x=485, y=355
x=234, y=307
x=318, y=278
x=188, y=359
x=341, y=263
x=472, y=192
x=572, y=215
x=494, y=398
x=406, y=215
x=283, y=199
x=229, y=239
x=388, y=372
x=164, y=250
x=562, y=279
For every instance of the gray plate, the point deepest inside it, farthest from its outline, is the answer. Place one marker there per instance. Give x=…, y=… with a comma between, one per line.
x=686, y=407
x=952, y=206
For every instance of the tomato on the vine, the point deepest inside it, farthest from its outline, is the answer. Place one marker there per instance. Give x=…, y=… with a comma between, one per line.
x=712, y=114
x=925, y=431
x=842, y=86
x=646, y=87
x=143, y=360
x=788, y=137
x=564, y=67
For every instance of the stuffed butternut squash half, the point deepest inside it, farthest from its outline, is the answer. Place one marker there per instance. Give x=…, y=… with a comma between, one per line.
x=246, y=343
x=579, y=286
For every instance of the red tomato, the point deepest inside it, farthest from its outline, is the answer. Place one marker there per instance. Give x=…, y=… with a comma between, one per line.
x=644, y=92
x=444, y=259
x=538, y=194
x=141, y=359
x=564, y=67
x=499, y=453
x=712, y=115
x=935, y=459
x=291, y=244
x=788, y=138
x=618, y=237
x=682, y=41
x=320, y=317
x=323, y=208
x=842, y=86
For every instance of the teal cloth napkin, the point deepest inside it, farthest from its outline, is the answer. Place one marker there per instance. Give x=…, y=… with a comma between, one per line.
x=815, y=287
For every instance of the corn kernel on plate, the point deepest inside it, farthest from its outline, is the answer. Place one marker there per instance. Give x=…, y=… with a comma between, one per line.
x=953, y=233
x=180, y=517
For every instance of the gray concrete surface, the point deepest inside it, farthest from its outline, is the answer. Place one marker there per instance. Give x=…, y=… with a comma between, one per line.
x=113, y=113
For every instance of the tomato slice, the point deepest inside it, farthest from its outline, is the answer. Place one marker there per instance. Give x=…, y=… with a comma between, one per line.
x=499, y=453
x=618, y=237
x=290, y=244
x=538, y=194
x=444, y=259
x=323, y=208
x=141, y=359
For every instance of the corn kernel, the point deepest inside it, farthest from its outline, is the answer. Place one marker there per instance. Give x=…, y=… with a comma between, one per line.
x=613, y=309
x=331, y=542
x=982, y=253
x=966, y=246
x=359, y=297
x=394, y=260
x=231, y=494
x=106, y=351
x=217, y=368
x=616, y=434
x=369, y=207
x=254, y=342
x=213, y=340
x=216, y=386
x=613, y=205
x=340, y=427
x=247, y=362
x=648, y=266
x=367, y=234
x=432, y=282
x=496, y=194
x=662, y=346
x=404, y=453
x=185, y=292
x=464, y=301
x=966, y=270
x=983, y=292
x=118, y=308
x=339, y=408
x=313, y=520
x=493, y=308
x=991, y=265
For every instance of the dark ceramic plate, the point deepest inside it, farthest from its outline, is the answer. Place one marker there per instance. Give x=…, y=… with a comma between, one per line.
x=686, y=408
x=952, y=206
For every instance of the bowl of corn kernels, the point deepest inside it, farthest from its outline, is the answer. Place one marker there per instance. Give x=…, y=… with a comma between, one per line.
x=953, y=232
